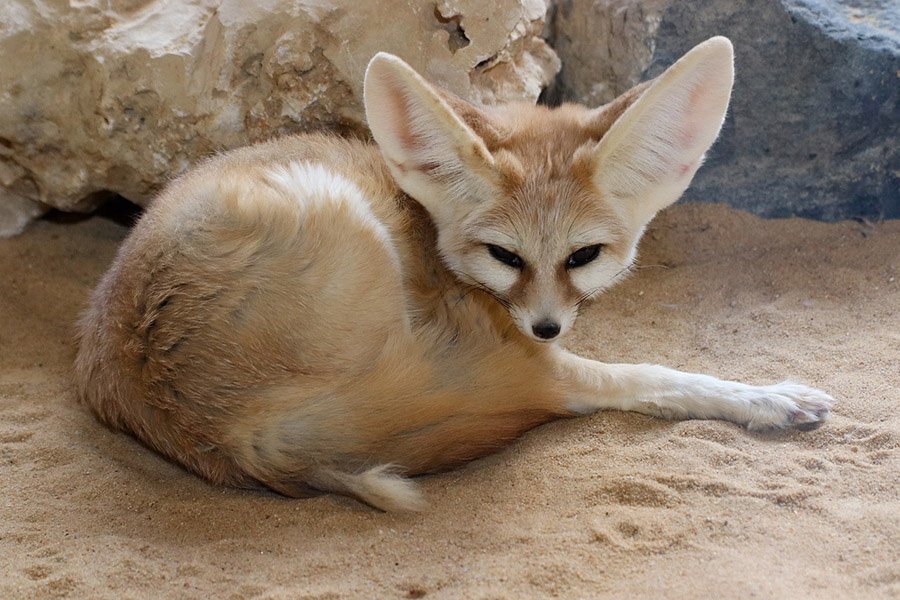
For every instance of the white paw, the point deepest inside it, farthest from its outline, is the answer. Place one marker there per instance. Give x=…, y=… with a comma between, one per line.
x=789, y=404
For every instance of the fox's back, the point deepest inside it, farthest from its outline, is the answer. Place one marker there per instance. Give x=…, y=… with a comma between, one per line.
x=247, y=273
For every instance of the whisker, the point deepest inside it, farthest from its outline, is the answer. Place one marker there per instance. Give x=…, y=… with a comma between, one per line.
x=588, y=294
x=473, y=284
x=585, y=296
x=467, y=290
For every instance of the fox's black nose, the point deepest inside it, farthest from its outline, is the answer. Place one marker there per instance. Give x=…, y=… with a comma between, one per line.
x=546, y=330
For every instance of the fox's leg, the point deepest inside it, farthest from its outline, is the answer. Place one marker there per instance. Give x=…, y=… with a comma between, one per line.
x=589, y=385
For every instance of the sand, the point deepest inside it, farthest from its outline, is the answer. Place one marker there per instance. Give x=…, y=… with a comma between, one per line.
x=614, y=505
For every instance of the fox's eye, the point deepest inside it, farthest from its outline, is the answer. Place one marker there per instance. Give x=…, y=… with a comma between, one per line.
x=506, y=257
x=583, y=256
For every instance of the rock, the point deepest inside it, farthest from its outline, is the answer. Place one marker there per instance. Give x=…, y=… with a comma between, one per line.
x=99, y=97
x=815, y=115
x=16, y=213
x=607, y=45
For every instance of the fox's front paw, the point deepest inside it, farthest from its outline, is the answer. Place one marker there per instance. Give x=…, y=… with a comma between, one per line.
x=789, y=404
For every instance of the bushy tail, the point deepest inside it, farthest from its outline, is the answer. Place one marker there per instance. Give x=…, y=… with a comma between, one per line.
x=379, y=486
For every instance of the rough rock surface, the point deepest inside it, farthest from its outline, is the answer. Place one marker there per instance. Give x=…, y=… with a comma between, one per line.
x=99, y=97
x=607, y=45
x=815, y=115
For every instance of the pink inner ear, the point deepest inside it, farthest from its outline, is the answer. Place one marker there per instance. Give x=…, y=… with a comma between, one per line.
x=398, y=111
x=693, y=117
x=400, y=118
x=700, y=104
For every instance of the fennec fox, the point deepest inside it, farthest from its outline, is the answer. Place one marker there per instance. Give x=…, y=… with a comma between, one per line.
x=318, y=313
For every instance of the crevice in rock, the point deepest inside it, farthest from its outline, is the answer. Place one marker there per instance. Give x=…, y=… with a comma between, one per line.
x=453, y=26
x=110, y=205
x=552, y=94
x=487, y=63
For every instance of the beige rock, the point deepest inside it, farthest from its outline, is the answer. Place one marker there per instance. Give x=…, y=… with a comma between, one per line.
x=16, y=213
x=120, y=97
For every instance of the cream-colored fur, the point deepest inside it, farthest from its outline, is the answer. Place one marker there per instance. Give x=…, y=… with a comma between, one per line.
x=324, y=314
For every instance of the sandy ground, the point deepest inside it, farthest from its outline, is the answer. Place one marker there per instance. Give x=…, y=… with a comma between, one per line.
x=618, y=505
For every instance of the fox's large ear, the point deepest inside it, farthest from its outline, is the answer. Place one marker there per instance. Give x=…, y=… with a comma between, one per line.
x=650, y=154
x=434, y=156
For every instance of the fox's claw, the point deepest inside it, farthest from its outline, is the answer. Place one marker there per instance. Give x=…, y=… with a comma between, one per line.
x=789, y=404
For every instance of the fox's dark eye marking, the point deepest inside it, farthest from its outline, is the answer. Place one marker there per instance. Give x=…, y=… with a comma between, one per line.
x=505, y=256
x=583, y=256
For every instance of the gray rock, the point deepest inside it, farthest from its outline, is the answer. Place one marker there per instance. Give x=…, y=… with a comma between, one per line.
x=815, y=119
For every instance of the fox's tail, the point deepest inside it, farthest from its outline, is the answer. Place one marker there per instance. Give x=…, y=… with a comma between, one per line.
x=380, y=487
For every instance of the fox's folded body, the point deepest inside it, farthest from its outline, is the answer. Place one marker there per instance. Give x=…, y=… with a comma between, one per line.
x=272, y=319
x=324, y=313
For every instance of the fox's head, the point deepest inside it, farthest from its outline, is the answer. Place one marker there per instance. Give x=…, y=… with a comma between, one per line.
x=543, y=208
